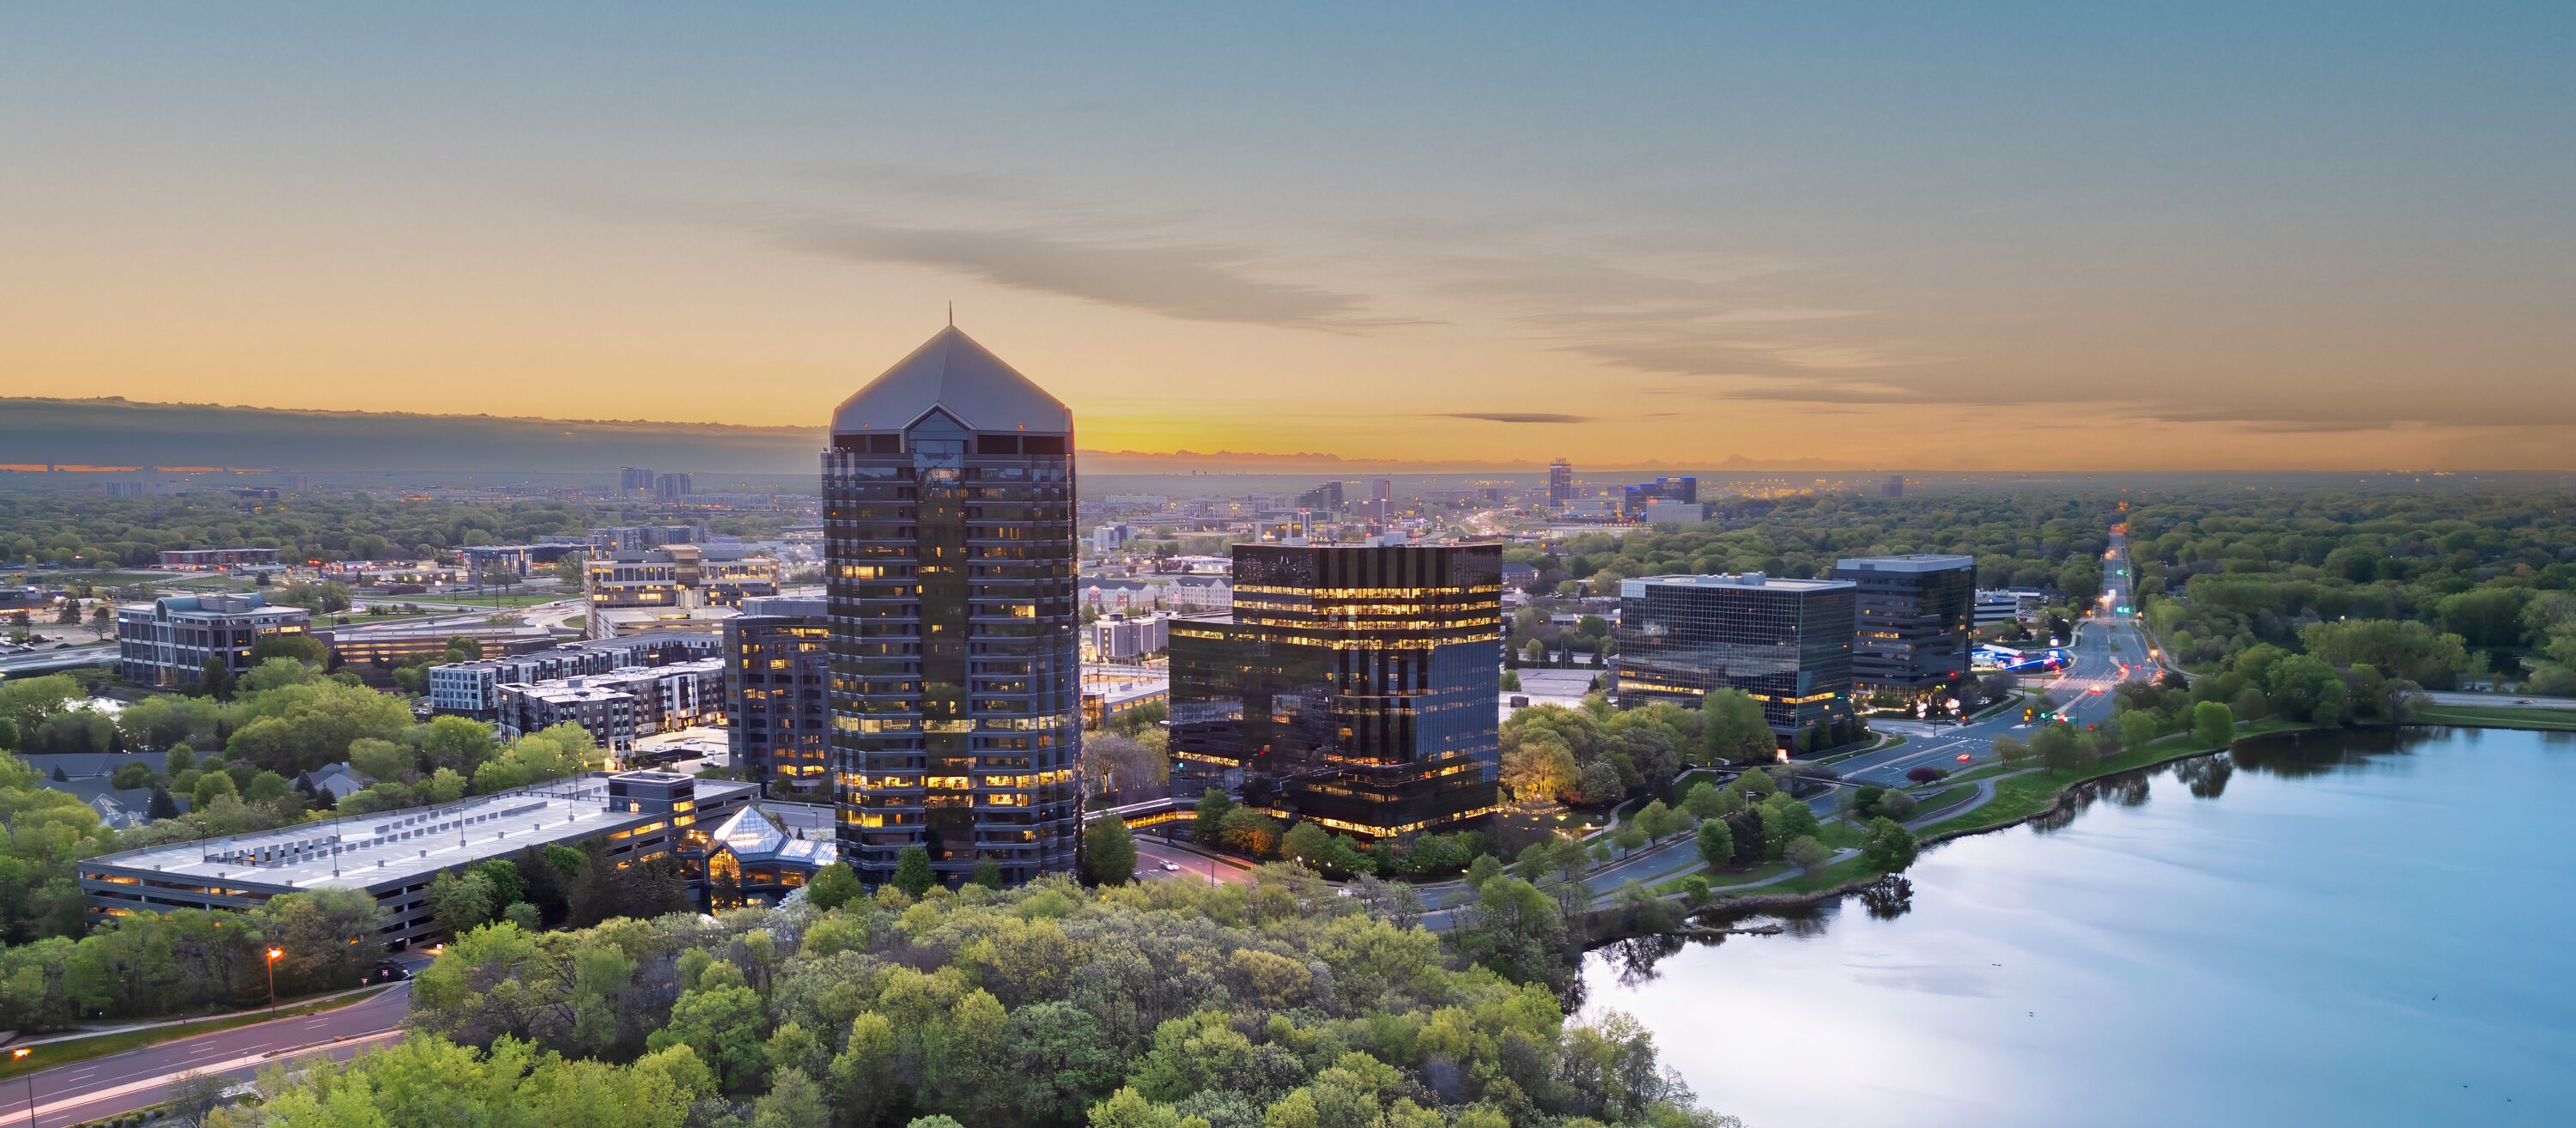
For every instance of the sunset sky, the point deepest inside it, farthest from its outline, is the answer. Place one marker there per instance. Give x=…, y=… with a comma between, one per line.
x=1951, y=236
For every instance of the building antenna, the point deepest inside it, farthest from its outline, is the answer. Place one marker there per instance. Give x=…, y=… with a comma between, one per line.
x=952, y=314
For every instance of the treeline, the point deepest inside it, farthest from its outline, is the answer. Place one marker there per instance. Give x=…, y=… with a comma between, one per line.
x=2019, y=540
x=2484, y=583
x=74, y=531
x=1162, y=1005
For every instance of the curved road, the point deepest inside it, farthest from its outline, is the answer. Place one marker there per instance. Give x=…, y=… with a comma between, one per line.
x=140, y=1078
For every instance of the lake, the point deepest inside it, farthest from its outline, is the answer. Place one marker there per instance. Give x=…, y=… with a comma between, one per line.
x=2357, y=929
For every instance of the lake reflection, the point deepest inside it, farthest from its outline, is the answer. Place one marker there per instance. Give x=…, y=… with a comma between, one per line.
x=2371, y=928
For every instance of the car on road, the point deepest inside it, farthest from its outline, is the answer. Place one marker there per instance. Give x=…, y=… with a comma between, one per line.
x=1172, y=866
x=388, y=972
x=2524, y=701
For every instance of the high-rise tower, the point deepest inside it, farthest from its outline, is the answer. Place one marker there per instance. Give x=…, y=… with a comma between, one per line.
x=1560, y=483
x=956, y=697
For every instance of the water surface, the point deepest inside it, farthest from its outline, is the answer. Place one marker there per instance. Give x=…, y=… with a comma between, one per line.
x=2364, y=929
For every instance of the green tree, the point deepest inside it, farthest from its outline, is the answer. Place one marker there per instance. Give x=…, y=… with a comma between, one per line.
x=1209, y=826
x=2213, y=725
x=1108, y=851
x=1889, y=847
x=2136, y=728
x=463, y=901
x=832, y=886
x=1732, y=730
x=1517, y=932
x=1808, y=854
x=1784, y=820
x=912, y=872
x=793, y=1101
x=1716, y=843
x=725, y=1026
x=2056, y=747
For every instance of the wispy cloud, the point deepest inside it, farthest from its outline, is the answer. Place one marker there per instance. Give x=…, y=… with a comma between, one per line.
x=1515, y=416
x=1194, y=281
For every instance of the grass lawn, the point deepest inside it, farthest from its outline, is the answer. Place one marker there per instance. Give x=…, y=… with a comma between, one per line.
x=52, y=1054
x=1945, y=797
x=2498, y=716
x=578, y=622
x=2025, y=795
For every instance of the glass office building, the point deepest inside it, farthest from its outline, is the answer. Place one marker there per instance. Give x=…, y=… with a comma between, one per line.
x=1353, y=686
x=1788, y=643
x=1916, y=621
x=955, y=690
x=777, y=692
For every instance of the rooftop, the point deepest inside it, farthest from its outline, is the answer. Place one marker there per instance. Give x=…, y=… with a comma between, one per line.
x=1744, y=581
x=367, y=850
x=953, y=372
x=1910, y=562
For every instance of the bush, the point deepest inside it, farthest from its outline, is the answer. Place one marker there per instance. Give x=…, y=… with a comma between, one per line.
x=1925, y=774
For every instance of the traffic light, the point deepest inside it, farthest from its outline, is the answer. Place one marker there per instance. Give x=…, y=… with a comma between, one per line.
x=2026, y=714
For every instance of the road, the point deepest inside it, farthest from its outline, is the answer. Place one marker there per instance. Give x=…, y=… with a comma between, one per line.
x=48, y=658
x=140, y=1078
x=2500, y=700
x=1152, y=852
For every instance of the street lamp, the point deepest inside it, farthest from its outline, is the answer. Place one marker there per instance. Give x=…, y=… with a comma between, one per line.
x=14, y=1055
x=274, y=954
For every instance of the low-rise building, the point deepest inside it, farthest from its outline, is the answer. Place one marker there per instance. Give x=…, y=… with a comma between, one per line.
x=169, y=641
x=609, y=715
x=395, y=855
x=1196, y=592
x=674, y=578
x=1125, y=638
x=471, y=689
x=215, y=559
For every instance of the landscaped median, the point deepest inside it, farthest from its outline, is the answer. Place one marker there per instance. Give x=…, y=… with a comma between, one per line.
x=2025, y=794
x=47, y=1055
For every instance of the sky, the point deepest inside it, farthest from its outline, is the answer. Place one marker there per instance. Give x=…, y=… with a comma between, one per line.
x=1939, y=236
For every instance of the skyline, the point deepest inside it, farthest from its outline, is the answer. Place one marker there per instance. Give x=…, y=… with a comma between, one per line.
x=2329, y=240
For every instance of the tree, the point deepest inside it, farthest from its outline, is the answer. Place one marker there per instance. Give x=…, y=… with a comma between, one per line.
x=1716, y=843
x=216, y=678
x=194, y=1096
x=1661, y=822
x=1808, y=854
x=2136, y=728
x=299, y=647
x=2012, y=751
x=987, y=873
x=2056, y=748
x=725, y=1026
x=1889, y=847
x=912, y=872
x=102, y=621
x=793, y=1101
x=162, y=805
x=1306, y=842
x=1108, y=851
x=1784, y=820
x=1517, y=932
x=832, y=886
x=1733, y=731
x=1598, y=785
x=1628, y=837
x=463, y=902
x=2213, y=725
x=1537, y=768
x=1209, y=826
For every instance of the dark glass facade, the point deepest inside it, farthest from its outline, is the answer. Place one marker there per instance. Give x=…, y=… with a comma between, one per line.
x=955, y=685
x=1916, y=621
x=1353, y=686
x=1788, y=643
x=777, y=692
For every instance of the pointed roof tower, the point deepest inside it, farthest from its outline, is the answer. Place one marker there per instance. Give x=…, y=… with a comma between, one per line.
x=952, y=372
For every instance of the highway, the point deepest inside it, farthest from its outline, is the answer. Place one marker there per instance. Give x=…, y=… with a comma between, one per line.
x=140, y=1078
x=1152, y=851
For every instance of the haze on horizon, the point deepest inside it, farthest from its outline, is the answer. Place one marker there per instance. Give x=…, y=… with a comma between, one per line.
x=1955, y=237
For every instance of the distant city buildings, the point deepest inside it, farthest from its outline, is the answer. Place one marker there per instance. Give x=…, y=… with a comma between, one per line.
x=680, y=577
x=1894, y=486
x=671, y=487
x=1352, y=686
x=216, y=559
x=778, y=702
x=1111, y=537
x=634, y=480
x=1916, y=618
x=1787, y=643
x=1560, y=483
x=949, y=534
x=169, y=642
